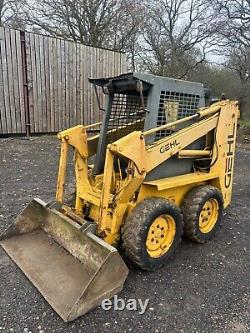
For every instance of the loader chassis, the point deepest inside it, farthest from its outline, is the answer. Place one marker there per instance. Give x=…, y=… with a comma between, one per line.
x=163, y=164
x=109, y=203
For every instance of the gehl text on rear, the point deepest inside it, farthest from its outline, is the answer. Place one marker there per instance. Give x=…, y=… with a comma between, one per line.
x=230, y=158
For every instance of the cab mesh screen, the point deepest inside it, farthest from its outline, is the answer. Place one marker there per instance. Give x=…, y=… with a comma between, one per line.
x=127, y=115
x=174, y=106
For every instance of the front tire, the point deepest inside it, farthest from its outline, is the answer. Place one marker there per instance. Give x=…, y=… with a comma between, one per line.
x=152, y=233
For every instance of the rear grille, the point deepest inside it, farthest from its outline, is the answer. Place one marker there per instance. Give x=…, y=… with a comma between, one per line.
x=174, y=106
x=127, y=115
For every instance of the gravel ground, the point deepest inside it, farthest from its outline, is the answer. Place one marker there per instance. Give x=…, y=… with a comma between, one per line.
x=205, y=288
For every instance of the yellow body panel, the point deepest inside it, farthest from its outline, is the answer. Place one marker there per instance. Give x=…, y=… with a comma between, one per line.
x=174, y=194
x=173, y=144
x=189, y=178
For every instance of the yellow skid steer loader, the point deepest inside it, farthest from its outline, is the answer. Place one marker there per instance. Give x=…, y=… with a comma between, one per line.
x=163, y=167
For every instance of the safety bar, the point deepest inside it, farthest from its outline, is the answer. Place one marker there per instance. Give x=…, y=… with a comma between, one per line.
x=93, y=125
x=200, y=114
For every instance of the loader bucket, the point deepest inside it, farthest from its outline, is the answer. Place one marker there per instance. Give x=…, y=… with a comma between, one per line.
x=72, y=268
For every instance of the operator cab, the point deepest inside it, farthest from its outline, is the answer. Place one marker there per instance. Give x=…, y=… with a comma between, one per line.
x=138, y=102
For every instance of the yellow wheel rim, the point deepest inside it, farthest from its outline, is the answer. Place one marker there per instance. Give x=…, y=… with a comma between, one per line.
x=208, y=215
x=160, y=236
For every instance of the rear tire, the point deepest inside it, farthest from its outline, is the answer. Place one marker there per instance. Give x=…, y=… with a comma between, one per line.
x=152, y=233
x=202, y=213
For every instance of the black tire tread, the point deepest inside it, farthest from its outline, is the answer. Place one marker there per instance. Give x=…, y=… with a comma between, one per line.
x=131, y=232
x=191, y=206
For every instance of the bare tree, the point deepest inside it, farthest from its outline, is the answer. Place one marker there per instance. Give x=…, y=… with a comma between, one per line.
x=99, y=23
x=178, y=36
x=235, y=20
x=234, y=35
x=239, y=62
x=10, y=13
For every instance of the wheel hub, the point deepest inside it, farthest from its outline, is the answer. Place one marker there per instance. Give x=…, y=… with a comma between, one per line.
x=160, y=235
x=208, y=215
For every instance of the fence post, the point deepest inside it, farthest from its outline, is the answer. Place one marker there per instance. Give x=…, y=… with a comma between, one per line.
x=25, y=83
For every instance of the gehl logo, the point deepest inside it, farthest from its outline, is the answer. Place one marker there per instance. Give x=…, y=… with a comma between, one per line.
x=169, y=146
x=229, y=158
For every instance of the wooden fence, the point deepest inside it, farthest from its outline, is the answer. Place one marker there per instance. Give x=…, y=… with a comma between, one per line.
x=44, y=82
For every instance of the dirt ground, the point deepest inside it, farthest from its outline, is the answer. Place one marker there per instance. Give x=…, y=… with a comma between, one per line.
x=205, y=288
